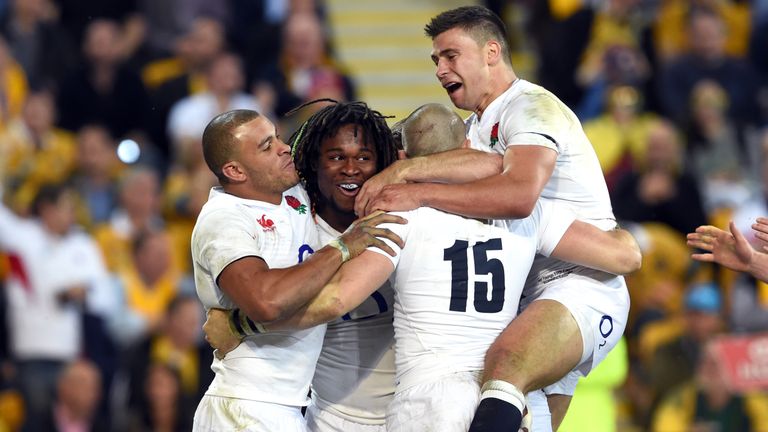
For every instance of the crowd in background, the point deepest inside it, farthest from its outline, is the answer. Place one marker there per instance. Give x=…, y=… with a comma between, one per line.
x=102, y=106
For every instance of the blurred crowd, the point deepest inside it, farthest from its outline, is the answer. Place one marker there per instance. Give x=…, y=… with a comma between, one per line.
x=673, y=95
x=102, y=106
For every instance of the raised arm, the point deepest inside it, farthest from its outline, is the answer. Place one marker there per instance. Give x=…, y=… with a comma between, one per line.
x=453, y=166
x=729, y=249
x=512, y=194
x=614, y=251
x=267, y=295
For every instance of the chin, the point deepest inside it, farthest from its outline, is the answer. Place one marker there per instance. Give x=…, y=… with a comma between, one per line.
x=459, y=103
x=344, y=204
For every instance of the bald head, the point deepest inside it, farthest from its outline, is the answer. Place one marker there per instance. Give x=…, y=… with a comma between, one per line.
x=432, y=128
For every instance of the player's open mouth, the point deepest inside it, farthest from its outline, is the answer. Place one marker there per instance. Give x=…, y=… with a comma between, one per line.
x=349, y=189
x=452, y=87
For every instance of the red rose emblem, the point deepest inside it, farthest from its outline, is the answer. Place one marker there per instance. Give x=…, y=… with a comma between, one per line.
x=494, y=135
x=295, y=204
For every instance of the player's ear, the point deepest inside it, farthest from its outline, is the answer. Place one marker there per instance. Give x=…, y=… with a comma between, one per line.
x=492, y=52
x=233, y=171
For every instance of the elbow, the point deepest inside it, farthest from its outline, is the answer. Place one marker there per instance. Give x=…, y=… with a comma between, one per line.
x=518, y=209
x=334, y=308
x=633, y=262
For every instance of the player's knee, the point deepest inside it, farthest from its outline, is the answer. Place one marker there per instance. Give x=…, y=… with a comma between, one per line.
x=505, y=362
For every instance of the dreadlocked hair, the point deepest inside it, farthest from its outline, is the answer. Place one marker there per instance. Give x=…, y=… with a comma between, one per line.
x=306, y=141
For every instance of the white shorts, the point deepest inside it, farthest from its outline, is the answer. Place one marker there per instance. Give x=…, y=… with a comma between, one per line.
x=449, y=405
x=601, y=308
x=320, y=420
x=220, y=414
x=446, y=405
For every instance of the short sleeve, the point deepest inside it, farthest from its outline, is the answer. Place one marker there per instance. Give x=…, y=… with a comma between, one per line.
x=401, y=230
x=554, y=219
x=534, y=119
x=224, y=236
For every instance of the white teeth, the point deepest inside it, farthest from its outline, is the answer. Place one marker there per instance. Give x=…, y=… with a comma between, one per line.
x=349, y=186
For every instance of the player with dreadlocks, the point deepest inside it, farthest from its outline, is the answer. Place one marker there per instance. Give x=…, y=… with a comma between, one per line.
x=325, y=124
x=335, y=151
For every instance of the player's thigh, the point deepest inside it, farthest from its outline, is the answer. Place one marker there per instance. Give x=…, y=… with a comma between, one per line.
x=319, y=420
x=447, y=405
x=219, y=414
x=538, y=347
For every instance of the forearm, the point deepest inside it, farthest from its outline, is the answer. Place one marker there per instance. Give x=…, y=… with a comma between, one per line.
x=454, y=166
x=288, y=289
x=325, y=307
x=614, y=251
x=346, y=290
x=495, y=197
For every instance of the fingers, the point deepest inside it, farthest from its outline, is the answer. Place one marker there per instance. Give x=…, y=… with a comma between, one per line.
x=709, y=230
x=737, y=235
x=761, y=225
x=361, y=202
x=761, y=236
x=373, y=206
x=381, y=244
x=368, y=217
x=381, y=233
x=703, y=257
x=700, y=245
x=379, y=217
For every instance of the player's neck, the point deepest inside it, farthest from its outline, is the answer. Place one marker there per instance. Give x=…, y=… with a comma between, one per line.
x=244, y=192
x=337, y=220
x=497, y=88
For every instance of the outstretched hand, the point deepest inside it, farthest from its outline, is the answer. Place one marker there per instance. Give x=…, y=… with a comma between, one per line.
x=218, y=334
x=729, y=249
x=365, y=232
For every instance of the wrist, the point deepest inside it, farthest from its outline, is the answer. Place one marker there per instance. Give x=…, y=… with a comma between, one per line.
x=241, y=326
x=403, y=170
x=339, y=244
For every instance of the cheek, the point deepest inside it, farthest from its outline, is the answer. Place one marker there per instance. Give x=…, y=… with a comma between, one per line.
x=324, y=182
x=368, y=171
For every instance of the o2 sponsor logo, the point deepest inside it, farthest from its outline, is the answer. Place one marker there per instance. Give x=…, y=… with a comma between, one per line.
x=606, y=328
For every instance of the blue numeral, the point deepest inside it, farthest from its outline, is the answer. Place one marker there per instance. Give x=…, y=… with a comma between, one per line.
x=304, y=251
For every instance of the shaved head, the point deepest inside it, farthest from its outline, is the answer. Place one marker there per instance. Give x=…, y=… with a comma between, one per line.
x=432, y=128
x=219, y=142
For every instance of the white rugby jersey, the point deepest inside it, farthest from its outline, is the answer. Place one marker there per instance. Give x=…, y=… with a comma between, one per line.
x=528, y=114
x=355, y=374
x=277, y=366
x=458, y=283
